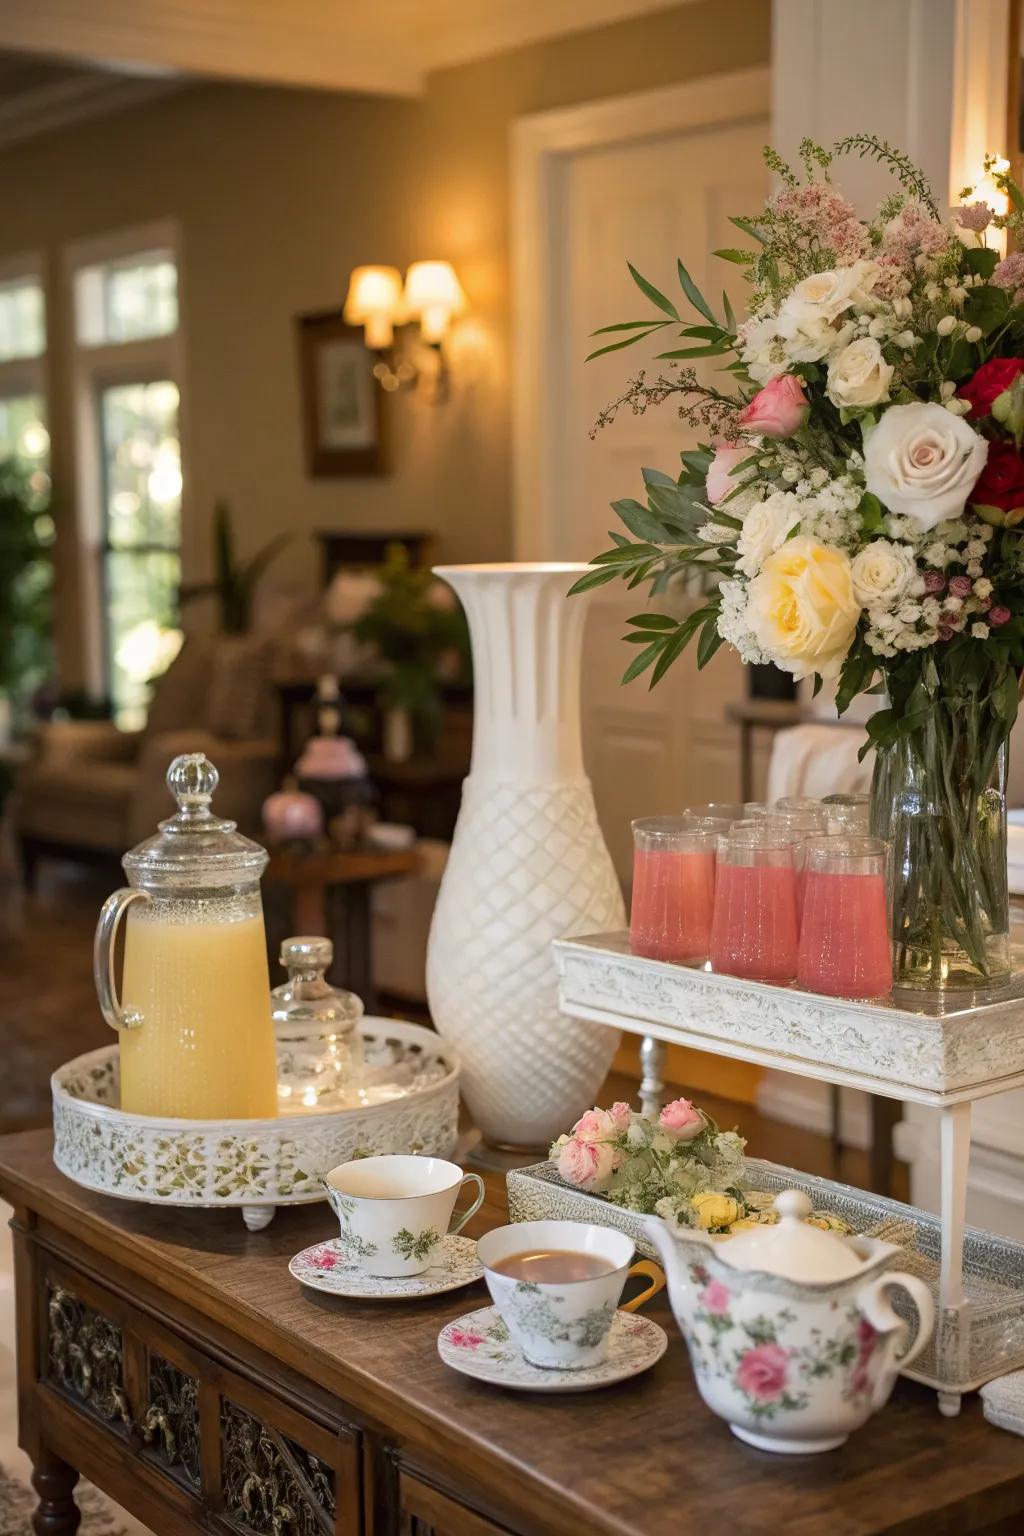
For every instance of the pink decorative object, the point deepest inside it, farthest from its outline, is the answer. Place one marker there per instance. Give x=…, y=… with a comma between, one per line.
x=682, y=1120
x=754, y=929
x=720, y=482
x=331, y=757
x=673, y=890
x=291, y=814
x=777, y=410
x=844, y=934
x=763, y=1372
x=587, y=1164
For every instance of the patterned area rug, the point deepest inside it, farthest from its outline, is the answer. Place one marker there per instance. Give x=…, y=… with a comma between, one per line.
x=18, y=1501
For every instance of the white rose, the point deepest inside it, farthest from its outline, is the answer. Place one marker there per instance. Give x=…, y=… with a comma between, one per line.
x=882, y=574
x=801, y=608
x=766, y=528
x=922, y=462
x=827, y=295
x=812, y=338
x=762, y=350
x=859, y=375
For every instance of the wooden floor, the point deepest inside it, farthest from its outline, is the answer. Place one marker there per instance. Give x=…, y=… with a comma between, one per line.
x=48, y=1014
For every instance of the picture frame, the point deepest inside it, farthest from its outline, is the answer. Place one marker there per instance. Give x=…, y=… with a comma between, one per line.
x=341, y=401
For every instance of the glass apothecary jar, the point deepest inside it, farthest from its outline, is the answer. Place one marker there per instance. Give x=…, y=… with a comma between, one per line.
x=196, y=1039
x=316, y=1026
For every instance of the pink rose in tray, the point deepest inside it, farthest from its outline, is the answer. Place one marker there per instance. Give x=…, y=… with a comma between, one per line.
x=715, y=1298
x=587, y=1164
x=620, y=1114
x=777, y=410
x=763, y=1371
x=602, y=1124
x=681, y=1119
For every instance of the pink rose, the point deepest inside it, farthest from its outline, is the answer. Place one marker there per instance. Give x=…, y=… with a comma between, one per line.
x=681, y=1119
x=323, y=1258
x=595, y=1125
x=763, y=1370
x=714, y=1298
x=719, y=480
x=587, y=1164
x=777, y=410
x=465, y=1338
x=998, y=615
x=620, y=1114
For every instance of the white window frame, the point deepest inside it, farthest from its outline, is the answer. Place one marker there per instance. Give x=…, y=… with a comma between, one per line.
x=97, y=367
x=26, y=375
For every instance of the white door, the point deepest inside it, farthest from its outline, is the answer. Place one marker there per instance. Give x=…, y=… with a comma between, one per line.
x=647, y=201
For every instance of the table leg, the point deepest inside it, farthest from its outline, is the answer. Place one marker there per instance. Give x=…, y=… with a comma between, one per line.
x=955, y=1149
x=351, y=928
x=652, y=1083
x=54, y=1480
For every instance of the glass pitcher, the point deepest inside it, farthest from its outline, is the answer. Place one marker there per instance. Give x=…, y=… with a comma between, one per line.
x=196, y=1038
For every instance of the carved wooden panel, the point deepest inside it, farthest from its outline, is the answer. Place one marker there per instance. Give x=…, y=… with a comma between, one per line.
x=269, y=1483
x=85, y=1356
x=170, y=1424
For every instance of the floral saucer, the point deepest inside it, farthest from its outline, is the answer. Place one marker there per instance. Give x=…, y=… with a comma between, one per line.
x=478, y=1345
x=325, y=1268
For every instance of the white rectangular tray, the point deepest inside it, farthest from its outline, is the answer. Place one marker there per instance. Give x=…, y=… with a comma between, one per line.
x=909, y=1050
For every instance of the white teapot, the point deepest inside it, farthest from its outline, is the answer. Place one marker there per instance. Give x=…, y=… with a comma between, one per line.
x=792, y=1337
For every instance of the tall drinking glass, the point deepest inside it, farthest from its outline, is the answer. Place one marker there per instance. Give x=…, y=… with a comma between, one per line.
x=848, y=813
x=717, y=816
x=844, y=936
x=754, y=928
x=799, y=825
x=673, y=889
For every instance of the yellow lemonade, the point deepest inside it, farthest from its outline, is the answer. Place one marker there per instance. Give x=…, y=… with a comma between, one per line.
x=205, y=1049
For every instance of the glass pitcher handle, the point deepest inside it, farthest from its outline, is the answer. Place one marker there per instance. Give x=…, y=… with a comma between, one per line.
x=103, y=960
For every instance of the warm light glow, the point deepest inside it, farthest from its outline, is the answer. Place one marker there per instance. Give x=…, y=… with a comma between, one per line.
x=147, y=650
x=433, y=295
x=374, y=300
x=984, y=189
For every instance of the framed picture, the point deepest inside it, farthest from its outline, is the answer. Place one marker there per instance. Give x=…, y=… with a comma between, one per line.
x=342, y=403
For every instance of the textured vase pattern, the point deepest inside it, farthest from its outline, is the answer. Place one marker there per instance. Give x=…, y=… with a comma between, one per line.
x=528, y=865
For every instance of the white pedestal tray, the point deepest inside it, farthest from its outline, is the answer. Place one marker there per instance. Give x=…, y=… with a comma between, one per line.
x=912, y=1051
x=408, y=1101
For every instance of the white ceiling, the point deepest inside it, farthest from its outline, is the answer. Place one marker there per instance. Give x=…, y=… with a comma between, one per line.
x=379, y=46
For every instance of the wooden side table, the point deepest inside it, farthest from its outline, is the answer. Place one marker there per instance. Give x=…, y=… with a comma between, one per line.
x=330, y=894
x=760, y=714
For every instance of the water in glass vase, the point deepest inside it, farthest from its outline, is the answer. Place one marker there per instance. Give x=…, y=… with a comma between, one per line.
x=205, y=1049
x=939, y=795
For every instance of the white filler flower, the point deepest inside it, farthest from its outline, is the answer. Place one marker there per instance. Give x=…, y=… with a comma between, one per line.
x=921, y=462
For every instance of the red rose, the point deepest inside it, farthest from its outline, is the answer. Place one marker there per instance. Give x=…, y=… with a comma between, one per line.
x=989, y=381
x=1001, y=482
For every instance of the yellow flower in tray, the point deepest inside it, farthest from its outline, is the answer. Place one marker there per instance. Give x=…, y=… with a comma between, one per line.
x=715, y=1211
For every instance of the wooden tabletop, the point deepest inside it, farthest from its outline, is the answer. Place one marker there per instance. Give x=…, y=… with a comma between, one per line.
x=645, y=1458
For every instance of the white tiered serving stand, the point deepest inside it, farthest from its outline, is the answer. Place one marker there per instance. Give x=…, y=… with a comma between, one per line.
x=945, y=1057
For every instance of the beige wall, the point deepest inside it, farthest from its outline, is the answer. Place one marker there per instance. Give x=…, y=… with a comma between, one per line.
x=278, y=194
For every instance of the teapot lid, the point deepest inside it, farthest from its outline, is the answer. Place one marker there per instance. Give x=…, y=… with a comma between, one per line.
x=194, y=845
x=791, y=1248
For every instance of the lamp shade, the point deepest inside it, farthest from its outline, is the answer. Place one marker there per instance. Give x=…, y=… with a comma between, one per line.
x=374, y=300
x=433, y=295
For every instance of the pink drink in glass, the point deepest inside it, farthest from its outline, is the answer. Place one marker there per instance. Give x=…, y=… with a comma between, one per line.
x=673, y=890
x=754, y=929
x=844, y=936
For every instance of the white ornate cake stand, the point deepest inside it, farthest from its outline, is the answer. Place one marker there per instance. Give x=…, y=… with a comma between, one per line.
x=407, y=1102
x=942, y=1055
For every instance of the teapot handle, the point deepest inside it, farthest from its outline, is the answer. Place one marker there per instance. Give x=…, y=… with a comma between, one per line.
x=103, y=959
x=878, y=1309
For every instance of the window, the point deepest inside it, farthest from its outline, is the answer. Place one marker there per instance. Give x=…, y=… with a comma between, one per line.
x=23, y=434
x=128, y=367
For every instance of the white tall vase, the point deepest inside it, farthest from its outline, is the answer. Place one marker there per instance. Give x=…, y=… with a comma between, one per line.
x=527, y=865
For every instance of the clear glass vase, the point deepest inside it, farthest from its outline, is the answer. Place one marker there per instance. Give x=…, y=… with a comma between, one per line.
x=939, y=796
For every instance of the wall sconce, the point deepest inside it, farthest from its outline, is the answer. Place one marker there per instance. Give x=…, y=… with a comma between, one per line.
x=432, y=297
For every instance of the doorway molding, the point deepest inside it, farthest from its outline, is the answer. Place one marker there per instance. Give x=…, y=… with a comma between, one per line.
x=540, y=146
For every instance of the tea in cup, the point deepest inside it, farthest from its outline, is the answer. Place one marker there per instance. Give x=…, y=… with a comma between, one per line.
x=394, y=1210
x=557, y=1285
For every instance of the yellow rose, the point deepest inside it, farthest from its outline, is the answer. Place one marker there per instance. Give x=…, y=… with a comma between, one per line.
x=801, y=608
x=714, y=1210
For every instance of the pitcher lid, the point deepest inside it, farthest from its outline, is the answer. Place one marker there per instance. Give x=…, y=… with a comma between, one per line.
x=792, y=1248
x=194, y=844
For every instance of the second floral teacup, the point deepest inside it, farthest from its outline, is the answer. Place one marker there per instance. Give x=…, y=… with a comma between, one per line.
x=394, y=1210
x=557, y=1285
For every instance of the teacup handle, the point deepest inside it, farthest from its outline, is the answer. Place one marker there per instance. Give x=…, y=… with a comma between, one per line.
x=103, y=959
x=655, y=1274
x=459, y=1220
x=878, y=1309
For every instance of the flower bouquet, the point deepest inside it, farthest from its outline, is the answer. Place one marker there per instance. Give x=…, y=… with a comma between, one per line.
x=855, y=513
x=679, y=1166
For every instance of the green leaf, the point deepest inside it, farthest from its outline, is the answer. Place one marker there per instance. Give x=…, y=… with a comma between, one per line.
x=641, y=662
x=593, y=579
x=871, y=512
x=630, y=325
x=704, y=332
x=616, y=346
x=699, y=459
x=669, y=651
x=1005, y=700
x=693, y=293
x=981, y=260
x=749, y=229
x=652, y=621
x=625, y=554
x=730, y=315
x=710, y=641
x=712, y=350
x=737, y=257
x=986, y=308
x=652, y=293
x=658, y=477
x=640, y=521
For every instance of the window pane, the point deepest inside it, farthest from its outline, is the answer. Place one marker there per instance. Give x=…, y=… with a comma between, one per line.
x=127, y=300
x=142, y=500
x=22, y=320
x=24, y=438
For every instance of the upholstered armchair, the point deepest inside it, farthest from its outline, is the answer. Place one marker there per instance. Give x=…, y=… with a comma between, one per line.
x=92, y=791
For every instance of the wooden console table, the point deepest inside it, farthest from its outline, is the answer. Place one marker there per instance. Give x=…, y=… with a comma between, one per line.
x=169, y=1357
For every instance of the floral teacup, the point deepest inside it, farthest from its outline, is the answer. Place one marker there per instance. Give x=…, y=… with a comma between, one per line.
x=563, y=1324
x=394, y=1210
